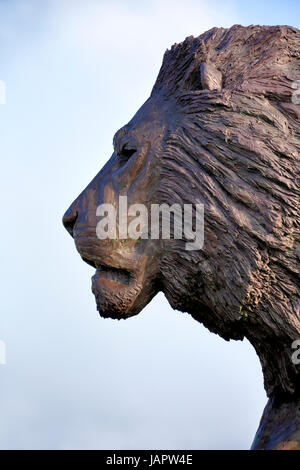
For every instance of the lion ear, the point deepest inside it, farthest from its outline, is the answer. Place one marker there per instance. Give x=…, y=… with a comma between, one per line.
x=211, y=78
x=204, y=77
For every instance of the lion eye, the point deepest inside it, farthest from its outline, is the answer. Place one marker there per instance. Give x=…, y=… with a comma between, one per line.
x=126, y=152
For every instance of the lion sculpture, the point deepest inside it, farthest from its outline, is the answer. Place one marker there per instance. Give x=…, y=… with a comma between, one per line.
x=221, y=128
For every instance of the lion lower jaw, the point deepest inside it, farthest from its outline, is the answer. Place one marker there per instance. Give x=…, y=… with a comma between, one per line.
x=116, y=275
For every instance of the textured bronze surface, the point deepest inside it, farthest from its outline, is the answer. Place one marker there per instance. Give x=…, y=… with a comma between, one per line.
x=220, y=128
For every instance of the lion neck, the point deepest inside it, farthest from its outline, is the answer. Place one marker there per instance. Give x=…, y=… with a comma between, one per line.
x=269, y=323
x=279, y=427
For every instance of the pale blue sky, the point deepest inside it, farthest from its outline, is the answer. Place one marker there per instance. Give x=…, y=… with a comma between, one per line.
x=76, y=71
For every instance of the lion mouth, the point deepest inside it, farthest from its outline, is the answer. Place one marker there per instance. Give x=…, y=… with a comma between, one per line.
x=110, y=273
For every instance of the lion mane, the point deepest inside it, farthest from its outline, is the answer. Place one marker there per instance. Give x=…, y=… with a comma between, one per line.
x=236, y=150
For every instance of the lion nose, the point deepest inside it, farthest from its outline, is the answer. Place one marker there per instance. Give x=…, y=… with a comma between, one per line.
x=69, y=220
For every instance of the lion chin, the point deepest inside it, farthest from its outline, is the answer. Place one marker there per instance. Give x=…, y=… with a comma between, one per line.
x=115, y=299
